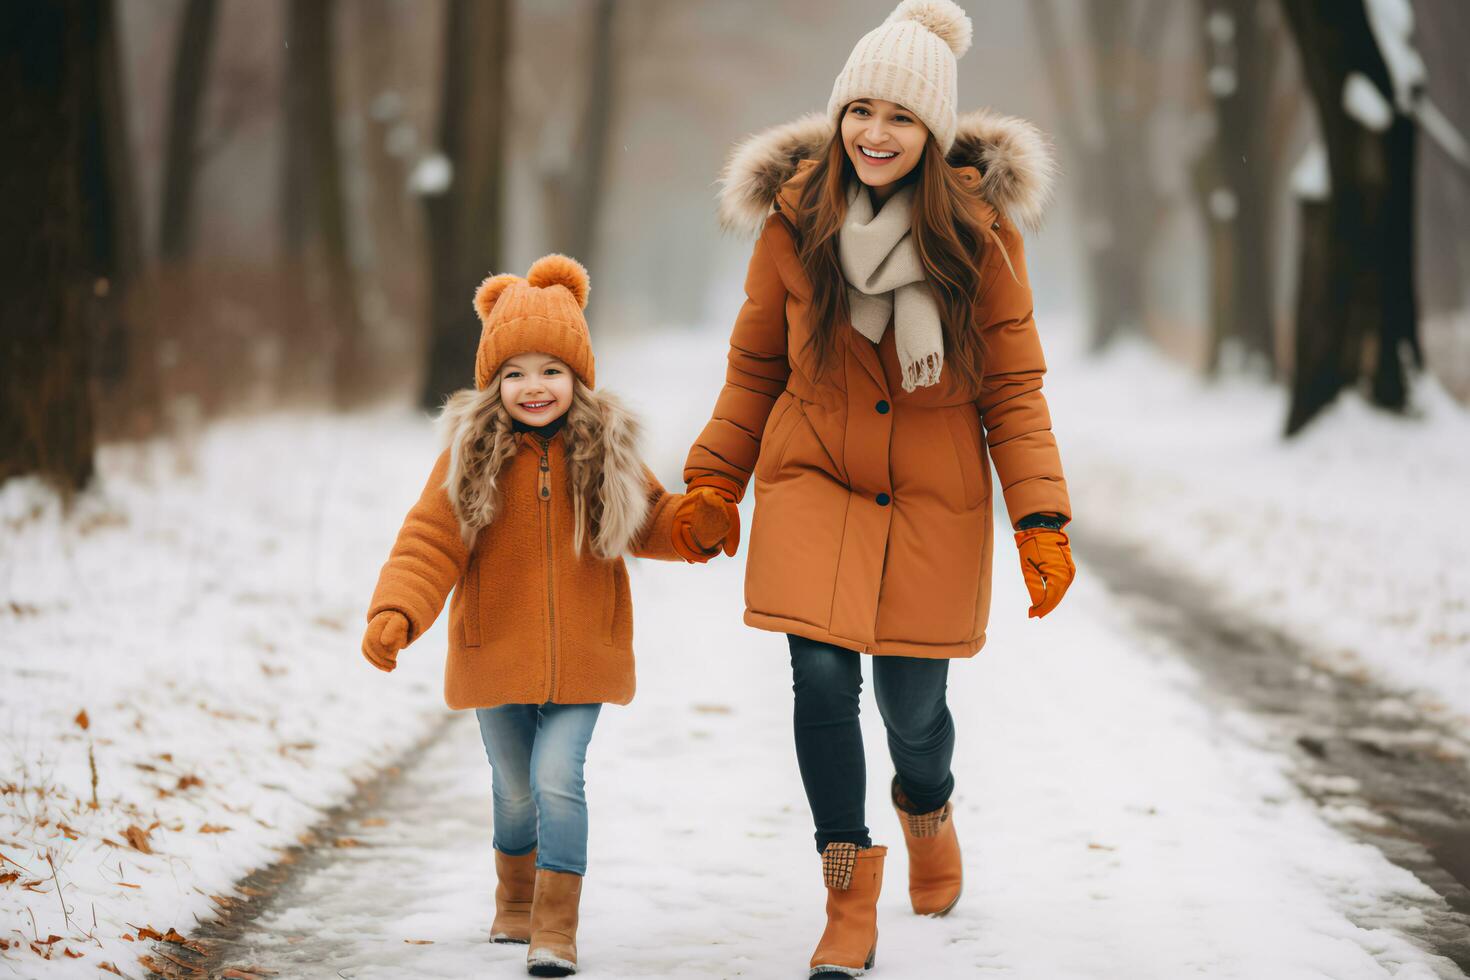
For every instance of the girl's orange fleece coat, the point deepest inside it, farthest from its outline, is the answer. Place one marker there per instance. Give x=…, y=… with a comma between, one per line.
x=531, y=620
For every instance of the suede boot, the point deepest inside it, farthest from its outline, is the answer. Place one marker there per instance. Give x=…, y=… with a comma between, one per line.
x=553, y=951
x=936, y=872
x=515, y=888
x=854, y=877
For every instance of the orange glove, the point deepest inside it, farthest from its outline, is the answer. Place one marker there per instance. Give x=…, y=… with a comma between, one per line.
x=703, y=522
x=385, y=636
x=1046, y=562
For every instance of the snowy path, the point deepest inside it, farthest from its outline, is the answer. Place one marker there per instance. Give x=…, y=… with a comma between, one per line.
x=1120, y=817
x=1114, y=827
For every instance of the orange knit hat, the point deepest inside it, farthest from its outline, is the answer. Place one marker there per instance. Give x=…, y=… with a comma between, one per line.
x=540, y=313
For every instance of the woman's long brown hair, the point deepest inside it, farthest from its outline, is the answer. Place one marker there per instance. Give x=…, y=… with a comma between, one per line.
x=948, y=238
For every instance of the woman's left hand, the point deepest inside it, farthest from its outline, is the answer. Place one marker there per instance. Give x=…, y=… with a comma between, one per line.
x=1046, y=563
x=704, y=523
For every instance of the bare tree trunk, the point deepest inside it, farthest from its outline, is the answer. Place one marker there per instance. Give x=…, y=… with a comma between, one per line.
x=124, y=350
x=1234, y=177
x=1119, y=201
x=1357, y=304
x=390, y=243
x=465, y=218
x=186, y=91
x=50, y=102
x=590, y=158
x=314, y=229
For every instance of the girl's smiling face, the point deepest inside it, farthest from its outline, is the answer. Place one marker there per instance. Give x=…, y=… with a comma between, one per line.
x=536, y=388
x=884, y=141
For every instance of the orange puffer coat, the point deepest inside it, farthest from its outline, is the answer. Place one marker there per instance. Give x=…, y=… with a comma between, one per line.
x=531, y=620
x=872, y=526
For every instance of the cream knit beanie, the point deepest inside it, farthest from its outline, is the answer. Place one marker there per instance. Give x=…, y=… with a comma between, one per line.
x=909, y=59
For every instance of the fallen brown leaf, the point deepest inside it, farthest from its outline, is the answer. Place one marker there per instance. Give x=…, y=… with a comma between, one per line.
x=8, y=877
x=109, y=968
x=419, y=942
x=83, y=722
x=189, y=781
x=375, y=822
x=346, y=842
x=71, y=832
x=213, y=828
x=137, y=838
x=129, y=884
x=70, y=953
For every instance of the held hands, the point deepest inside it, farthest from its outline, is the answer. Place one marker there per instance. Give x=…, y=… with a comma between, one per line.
x=1046, y=563
x=706, y=522
x=385, y=636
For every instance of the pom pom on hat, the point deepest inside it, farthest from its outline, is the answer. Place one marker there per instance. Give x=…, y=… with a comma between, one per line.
x=943, y=18
x=561, y=270
x=490, y=291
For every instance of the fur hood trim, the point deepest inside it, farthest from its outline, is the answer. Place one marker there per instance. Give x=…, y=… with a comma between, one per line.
x=605, y=467
x=1016, y=161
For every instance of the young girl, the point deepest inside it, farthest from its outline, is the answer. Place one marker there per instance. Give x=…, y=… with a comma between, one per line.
x=526, y=515
x=886, y=355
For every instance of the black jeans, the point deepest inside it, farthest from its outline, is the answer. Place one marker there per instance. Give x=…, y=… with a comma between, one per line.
x=829, y=740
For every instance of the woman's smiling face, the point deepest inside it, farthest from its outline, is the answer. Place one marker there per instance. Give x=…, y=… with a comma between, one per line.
x=883, y=140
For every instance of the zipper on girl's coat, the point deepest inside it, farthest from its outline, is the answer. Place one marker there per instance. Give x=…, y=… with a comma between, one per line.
x=543, y=492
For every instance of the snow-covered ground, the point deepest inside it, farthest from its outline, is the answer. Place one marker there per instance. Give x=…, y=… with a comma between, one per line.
x=1352, y=536
x=207, y=621
x=179, y=688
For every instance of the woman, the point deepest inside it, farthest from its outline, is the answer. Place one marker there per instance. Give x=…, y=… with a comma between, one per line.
x=885, y=350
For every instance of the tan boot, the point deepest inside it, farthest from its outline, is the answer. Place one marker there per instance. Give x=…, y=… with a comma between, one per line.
x=854, y=877
x=515, y=888
x=936, y=872
x=553, y=950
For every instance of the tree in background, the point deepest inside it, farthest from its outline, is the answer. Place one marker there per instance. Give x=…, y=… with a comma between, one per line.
x=55, y=185
x=120, y=349
x=1107, y=142
x=381, y=93
x=321, y=296
x=573, y=193
x=463, y=186
x=1235, y=176
x=1357, y=311
x=187, y=86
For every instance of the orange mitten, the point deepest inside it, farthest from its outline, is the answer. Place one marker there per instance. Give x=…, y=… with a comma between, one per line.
x=385, y=636
x=1046, y=562
x=703, y=522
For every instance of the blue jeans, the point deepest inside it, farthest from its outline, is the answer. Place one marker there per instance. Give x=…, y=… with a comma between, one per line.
x=910, y=692
x=536, y=757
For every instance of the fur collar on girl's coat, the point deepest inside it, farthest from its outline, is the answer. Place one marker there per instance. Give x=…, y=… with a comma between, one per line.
x=1015, y=160
x=607, y=477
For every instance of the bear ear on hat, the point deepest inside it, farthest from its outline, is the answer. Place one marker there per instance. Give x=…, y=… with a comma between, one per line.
x=489, y=292
x=561, y=270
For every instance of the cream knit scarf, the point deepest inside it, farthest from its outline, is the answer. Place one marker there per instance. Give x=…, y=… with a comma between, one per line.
x=885, y=279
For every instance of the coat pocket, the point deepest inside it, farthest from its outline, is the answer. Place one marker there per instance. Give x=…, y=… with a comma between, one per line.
x=777, y=434
x=964, y=431
x=610, y=604
x=470, y=607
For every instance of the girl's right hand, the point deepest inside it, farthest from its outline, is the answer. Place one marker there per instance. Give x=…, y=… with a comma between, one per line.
x=385, y=636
